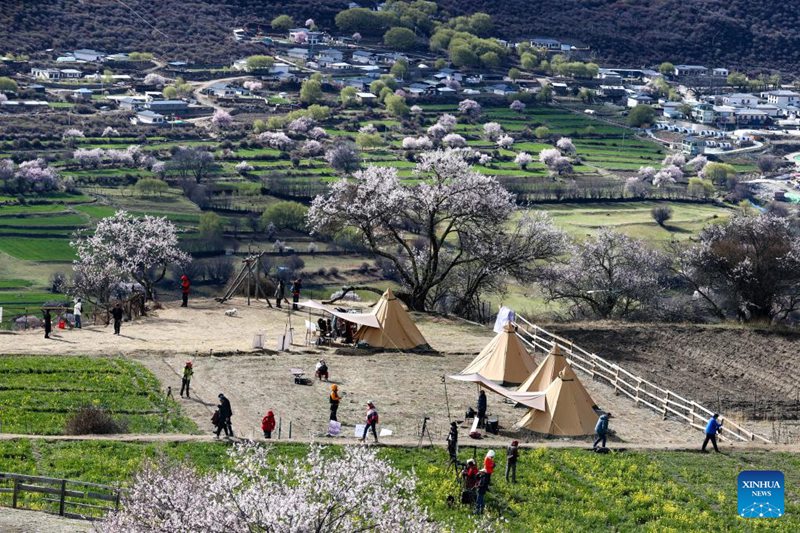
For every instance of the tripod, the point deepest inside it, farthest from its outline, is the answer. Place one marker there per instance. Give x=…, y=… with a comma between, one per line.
x=424, y=431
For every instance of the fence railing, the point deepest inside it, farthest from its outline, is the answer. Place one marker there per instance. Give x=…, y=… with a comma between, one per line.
x=73, y=499
x=639, y=390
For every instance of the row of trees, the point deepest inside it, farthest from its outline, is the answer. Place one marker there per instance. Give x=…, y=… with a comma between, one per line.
x=454, y=236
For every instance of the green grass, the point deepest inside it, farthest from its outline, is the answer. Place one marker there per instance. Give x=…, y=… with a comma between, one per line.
x=633, y=219
x=38, y=249
x=39, y=393
x=15, y=283
x=558, y=489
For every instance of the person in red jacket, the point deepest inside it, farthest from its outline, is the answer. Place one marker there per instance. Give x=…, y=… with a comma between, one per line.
x=371, y=422
x=268, y=424
x=185, y=284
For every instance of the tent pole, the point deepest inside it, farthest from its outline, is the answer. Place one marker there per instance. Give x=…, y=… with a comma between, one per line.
x=446, y=399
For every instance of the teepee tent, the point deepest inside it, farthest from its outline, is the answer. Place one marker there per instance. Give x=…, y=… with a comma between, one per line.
x=568, y=409
x=396, y=330
x=546, y=373
x=504, y=359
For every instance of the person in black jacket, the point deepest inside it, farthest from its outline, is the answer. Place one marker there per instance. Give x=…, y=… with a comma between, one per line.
x=452, y=442
x=481, y=408
x=48, y=323
x=483, y=486
x=225, y=414
x=116, y=314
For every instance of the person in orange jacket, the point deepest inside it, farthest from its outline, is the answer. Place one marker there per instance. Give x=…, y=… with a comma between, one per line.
x=268, y=424
x=185, y=284
x=488, y=462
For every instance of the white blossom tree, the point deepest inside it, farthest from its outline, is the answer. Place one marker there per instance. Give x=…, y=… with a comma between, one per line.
x=155, y=80
x=517, y=106
x=276, y=139
x=312, y=148
x=110, y=132
x=34, y=176
x=677, y=160
x=417, y=143
x=549, y=155
x=565, y=145
x=697, y=163
x=447, y=121
x=492, y=130
x=317, y=133
x=353, y=491
x=453, y=217
x=609, y=275
x=505, y=142
x=243, y=167
x=437, y=132
x=139, y=248
x=301, y=126
x=344, y=158
x=646, y=174
x=667, y=176
x=416, y=110
x=253, y=85
x=523, y=159
x=454, y=140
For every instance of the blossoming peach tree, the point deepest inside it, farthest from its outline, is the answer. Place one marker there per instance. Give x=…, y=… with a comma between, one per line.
x=353, y=491
x=124, y=248
x=452, y=217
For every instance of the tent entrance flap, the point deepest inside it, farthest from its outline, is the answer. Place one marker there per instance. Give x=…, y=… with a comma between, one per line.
x=534, y=400
x=362, y=319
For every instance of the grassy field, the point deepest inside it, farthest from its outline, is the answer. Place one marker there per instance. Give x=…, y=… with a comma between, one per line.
x=633, y=219
x=558, y=489
x=39, y=393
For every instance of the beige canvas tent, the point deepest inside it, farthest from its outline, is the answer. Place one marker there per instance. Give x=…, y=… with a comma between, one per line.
x=546, y=373
x=396, y=330
x=504, y=359
x=568, y=409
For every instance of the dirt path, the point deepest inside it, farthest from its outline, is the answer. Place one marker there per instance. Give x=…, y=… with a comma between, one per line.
x=20, y=521
x=406, y=387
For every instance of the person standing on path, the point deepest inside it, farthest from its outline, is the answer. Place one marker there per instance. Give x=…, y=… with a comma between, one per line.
x=481, y=408
x=48, y=323
x=77, y=311
x=188, y=372
x=512, y=454
x=225, y=414
x=116, y=314
x=296, y=286
x=280, y=293
x=372, y=422
x=185, y=288
x=713, y=427
x=601, y=429
x=268, y=424
x=334, y=399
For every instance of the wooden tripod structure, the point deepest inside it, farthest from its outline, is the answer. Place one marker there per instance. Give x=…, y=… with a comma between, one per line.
x=250, y=272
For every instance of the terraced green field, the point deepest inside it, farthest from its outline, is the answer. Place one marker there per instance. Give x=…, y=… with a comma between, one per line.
x=39, y=393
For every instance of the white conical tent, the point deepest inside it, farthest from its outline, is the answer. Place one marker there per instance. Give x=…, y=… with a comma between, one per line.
x=504, y=359
x=396, y=332
x=569, y=410
x=547, y=371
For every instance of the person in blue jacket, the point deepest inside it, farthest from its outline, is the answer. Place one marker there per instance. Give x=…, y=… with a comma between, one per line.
x=712, y=428
x=601, y=429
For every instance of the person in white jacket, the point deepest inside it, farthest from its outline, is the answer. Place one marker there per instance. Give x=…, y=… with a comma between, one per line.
x=77, y=311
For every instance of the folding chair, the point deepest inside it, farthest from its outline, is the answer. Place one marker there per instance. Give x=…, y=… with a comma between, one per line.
x=311, y=332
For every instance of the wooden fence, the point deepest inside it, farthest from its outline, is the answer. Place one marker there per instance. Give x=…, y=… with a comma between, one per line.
x=73, y=499
x=641, y=391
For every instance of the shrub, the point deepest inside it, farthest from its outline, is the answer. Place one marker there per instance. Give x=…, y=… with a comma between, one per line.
x=661, y=214
x=91, y=420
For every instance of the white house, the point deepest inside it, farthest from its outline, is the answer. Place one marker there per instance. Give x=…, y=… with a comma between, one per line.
x=298, y=53
x=149, y=117
x=363, y=57
x=690, y=70
x=279, y=68
x=740, y=99
x=306, y=36
x=639, y=99
x=329, y=56
x=720, y=72
x=86, y=54
x=46, y=73
x=783, y=98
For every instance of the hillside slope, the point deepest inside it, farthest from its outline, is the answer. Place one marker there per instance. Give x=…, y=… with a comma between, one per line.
x=748, y=34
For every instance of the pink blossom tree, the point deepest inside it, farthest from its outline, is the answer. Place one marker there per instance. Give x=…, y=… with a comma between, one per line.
x=34, y=176
x=276, y=139
x=155, y=80
x=222, y=119
x=609, y=275
x=677, y=160
x=470, y=108
x=301, y=126
x=259, y=494
x=138, y=248
x=447, y=121
x=110, y=132
x=646, y=174
x=312, y=148
x=253, y=85
x=437, y=132
x=357, y=37
x=453, y=217
x=697, y=163
x=517, y=106
x=317, y=133
x=667, y=176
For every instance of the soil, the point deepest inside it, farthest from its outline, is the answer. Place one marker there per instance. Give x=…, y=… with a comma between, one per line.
x=408, y=386
x=747, y=373
x=19, y=521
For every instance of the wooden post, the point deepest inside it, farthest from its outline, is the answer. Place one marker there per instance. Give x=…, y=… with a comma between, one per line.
x=664, y=414
x=62, y=497
x=16, y=493
x=638, y=385
x=616, y=381
x=594, y=364
x=290, y=429
x=249, y=279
